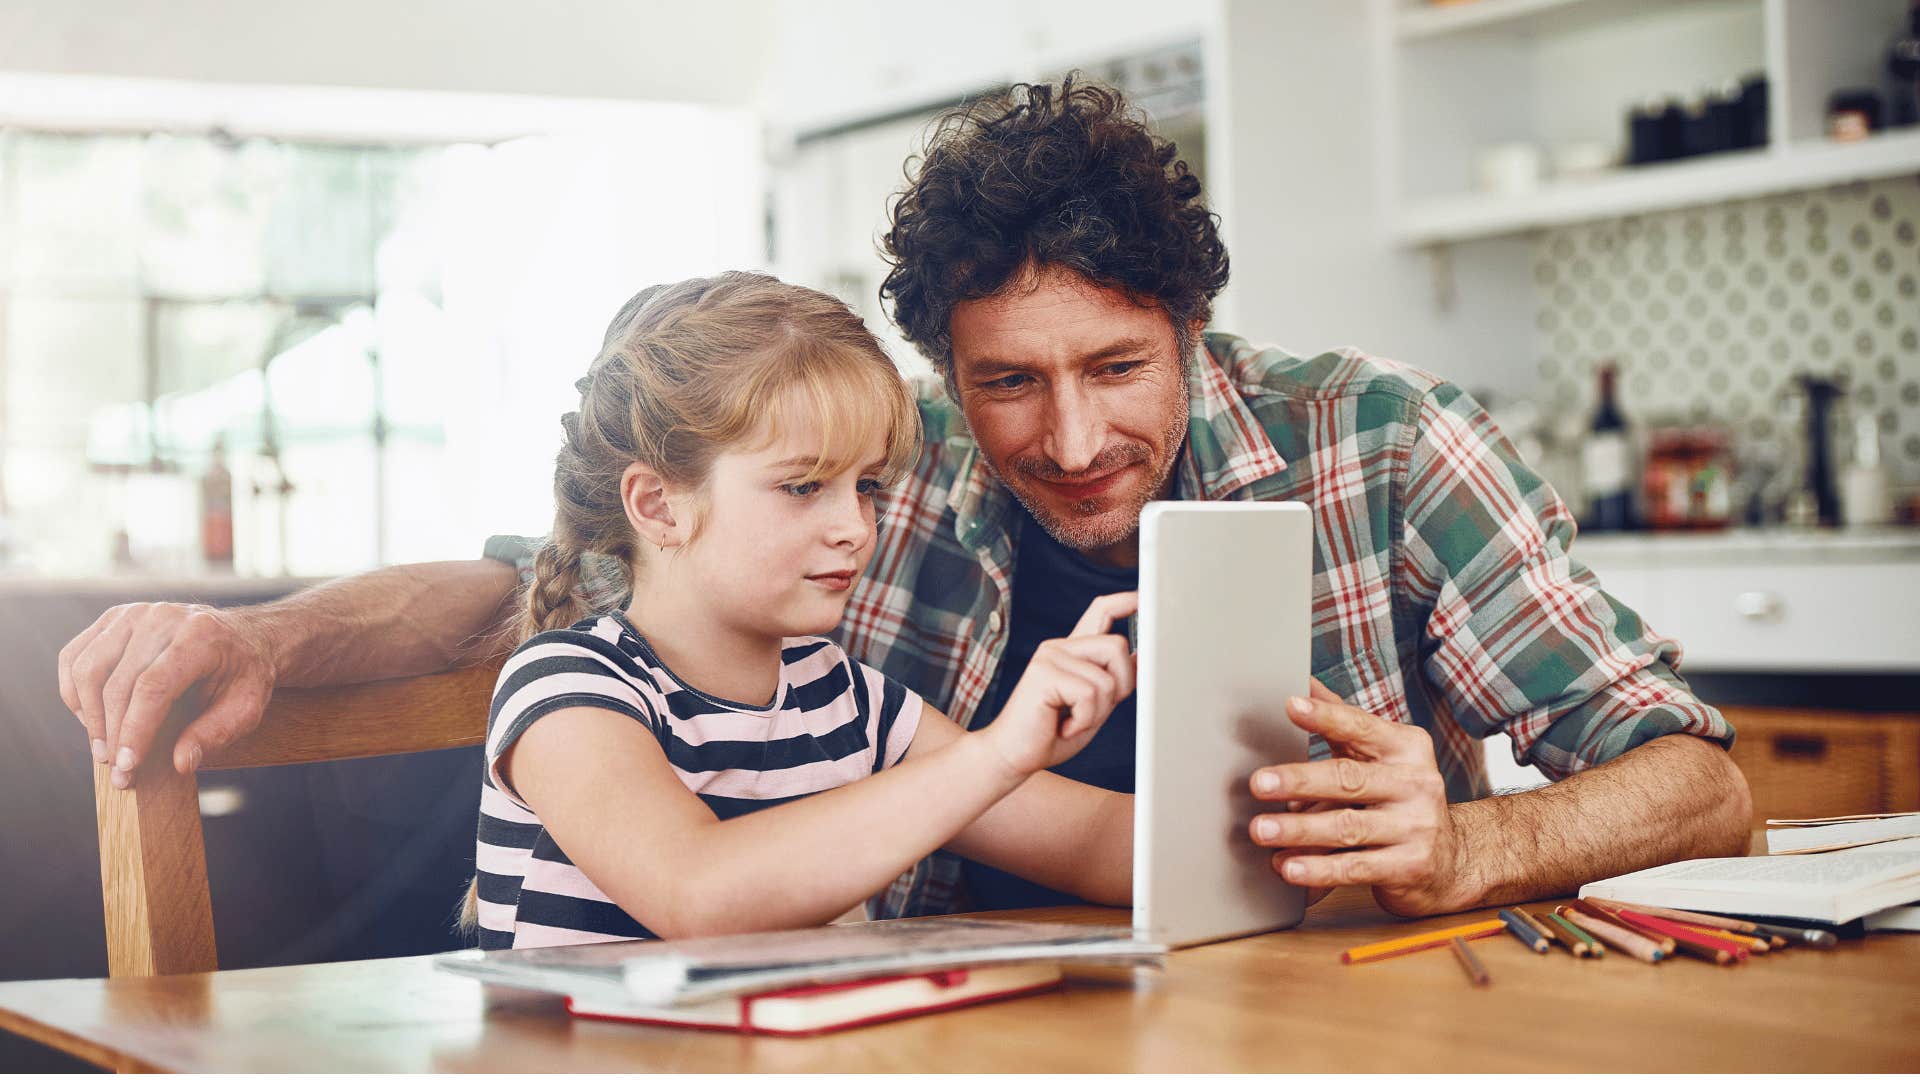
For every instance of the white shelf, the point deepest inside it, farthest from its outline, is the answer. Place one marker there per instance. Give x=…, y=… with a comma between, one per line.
x=1522, y=17
x=1645, y=189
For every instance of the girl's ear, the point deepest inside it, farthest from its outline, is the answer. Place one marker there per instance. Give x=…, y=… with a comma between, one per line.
x=643, y=494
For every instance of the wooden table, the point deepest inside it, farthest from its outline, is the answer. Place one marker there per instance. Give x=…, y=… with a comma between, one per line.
x=1280, y=1002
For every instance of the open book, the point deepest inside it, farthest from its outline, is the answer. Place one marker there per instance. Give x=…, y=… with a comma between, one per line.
x=1831, y=887
x=689, y=970
x=1789, y=836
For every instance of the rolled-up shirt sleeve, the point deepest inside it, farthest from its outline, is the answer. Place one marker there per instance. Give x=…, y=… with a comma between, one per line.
x=1519, y=636
x=515, y=551
x=606, y=581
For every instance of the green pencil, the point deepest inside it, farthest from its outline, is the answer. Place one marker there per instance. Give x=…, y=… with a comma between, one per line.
x=1574, y=933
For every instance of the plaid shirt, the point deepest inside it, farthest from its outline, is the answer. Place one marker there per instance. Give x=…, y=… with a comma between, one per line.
x=1444, y=594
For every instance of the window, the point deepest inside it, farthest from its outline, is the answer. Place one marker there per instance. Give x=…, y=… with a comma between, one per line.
x=377, y=340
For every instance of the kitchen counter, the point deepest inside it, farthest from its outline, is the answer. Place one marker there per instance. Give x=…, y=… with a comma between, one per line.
x=1897, y=543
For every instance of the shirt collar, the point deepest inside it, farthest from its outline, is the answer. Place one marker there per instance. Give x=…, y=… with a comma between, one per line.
x=1226, y=449
x=1227, y=445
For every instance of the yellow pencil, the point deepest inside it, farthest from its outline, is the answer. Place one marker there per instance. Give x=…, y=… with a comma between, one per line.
x=1433, y=939
x=1754, y=944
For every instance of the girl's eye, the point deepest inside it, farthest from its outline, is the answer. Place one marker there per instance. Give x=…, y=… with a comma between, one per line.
x=869, y=486
x=801, y=491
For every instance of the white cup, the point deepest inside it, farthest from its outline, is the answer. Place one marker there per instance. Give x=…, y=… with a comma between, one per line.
x=1508, y=168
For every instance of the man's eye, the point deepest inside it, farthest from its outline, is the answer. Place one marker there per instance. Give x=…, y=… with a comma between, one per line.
x=1007, y=382
x=801, y=490
x=1124, y=367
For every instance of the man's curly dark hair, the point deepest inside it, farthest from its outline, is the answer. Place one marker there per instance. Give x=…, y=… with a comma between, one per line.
x=1068, y=177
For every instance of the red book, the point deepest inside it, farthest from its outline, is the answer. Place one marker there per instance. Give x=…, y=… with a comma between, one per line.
x=815, y=1010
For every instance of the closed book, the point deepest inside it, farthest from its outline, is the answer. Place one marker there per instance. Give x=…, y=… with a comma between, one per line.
x=1904, y=917
x=1831, y=834
x=816, y=1010
x=1826, y=887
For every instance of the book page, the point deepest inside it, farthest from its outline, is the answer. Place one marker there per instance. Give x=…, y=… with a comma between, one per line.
x=1839, y=819
x=1828, y=872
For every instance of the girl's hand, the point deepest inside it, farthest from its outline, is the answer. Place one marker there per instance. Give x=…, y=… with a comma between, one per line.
x=1069, y=687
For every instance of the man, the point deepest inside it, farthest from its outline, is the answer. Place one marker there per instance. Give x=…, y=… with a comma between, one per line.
x=1057, y=265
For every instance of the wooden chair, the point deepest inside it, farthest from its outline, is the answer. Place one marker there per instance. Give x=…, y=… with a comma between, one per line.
x=153, y=865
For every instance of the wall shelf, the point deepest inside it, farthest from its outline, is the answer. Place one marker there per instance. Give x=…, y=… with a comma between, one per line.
x=1721, y=178
x=1522, y=17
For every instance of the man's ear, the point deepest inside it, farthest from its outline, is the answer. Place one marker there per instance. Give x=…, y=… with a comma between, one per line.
x=643, y=494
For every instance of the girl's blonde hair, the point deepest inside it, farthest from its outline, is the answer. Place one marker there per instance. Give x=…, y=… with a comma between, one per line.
x=688, y=370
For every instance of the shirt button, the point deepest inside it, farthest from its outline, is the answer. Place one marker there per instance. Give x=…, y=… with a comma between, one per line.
x=993, y=623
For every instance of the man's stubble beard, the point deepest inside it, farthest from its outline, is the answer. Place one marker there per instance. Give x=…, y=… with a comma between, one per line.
x=1076, y=533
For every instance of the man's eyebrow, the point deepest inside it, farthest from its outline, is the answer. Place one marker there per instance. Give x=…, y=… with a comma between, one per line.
x=1118, y=348
x=1122, y=347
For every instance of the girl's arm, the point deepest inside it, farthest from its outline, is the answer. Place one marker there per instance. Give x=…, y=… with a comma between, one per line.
x=603, y=788
x=1062, y=833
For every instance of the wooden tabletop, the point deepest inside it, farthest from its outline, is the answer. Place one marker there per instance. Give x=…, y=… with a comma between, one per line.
x=1279, y=1002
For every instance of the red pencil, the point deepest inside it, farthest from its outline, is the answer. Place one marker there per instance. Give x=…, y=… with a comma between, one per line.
x=1719, y=950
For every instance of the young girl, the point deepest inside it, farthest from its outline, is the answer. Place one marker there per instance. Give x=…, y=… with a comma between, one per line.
x=646, y=767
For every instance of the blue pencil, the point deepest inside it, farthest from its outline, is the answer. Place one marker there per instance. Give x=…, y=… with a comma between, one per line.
x=1518, y=927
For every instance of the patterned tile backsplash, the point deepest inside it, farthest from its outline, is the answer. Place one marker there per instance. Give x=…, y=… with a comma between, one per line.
x=1711, y=312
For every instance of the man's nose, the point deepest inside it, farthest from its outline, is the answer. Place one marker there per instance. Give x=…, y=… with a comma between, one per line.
x=1075, y=430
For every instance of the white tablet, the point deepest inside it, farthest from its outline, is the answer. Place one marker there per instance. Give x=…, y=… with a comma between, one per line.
x=1226, y=605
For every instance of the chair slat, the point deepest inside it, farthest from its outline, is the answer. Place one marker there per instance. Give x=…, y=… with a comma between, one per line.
x=397, y=716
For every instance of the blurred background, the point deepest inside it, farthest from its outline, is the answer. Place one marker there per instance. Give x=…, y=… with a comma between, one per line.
x=290, y=291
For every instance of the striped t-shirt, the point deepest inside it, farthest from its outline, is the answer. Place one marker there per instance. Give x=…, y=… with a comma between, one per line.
x=831, y=721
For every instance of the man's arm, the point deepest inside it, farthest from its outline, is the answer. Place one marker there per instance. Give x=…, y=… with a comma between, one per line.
x=1676, y=797
x=122, y=675
x=1673, y=797
x=1516, y=636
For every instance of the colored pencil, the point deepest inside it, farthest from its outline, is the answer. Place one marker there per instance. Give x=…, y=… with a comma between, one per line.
x=1687, y=941
x=1625, y=940
x=1578, y=937
x=1518, y=927
x=1721, y=922
x=1752, y=944
x=1805, y=935
x=1433, y=939
x=1660, y=941
x=1539, y=927
x=1476, y=973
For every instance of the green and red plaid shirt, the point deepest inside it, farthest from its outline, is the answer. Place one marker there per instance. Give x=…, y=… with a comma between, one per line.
x=1444, y=594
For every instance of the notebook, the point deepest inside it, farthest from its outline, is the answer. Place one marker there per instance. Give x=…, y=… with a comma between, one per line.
x=1828, y=887
x=690, y=970
x=816, y=1010
x=1806, y=835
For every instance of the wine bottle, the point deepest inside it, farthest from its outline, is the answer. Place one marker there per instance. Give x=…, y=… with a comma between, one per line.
x=1606, y=462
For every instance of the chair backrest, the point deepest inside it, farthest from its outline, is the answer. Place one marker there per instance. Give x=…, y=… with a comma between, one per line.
x=153, y=866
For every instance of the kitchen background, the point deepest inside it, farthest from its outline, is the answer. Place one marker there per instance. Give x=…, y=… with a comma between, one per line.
x=287, y=293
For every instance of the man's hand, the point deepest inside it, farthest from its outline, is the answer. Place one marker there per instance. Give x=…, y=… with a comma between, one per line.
x=1374, y=814
x=122, y=675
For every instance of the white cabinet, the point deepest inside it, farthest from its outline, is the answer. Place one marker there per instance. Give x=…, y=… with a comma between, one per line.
x=1772, y=602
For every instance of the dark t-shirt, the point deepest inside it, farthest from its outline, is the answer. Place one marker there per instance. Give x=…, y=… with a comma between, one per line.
x=1052, y=586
